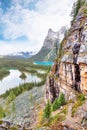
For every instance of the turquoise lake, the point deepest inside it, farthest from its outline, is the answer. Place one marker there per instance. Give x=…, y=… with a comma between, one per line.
x=44, y=63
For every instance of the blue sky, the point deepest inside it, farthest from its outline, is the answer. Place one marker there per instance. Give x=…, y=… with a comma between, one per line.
x=25, y=23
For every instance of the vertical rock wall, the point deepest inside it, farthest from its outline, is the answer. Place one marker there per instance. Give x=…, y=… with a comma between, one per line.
x=71, y=72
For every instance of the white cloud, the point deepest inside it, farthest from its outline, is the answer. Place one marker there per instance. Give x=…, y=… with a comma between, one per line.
x=7, y=48
x=34, y=24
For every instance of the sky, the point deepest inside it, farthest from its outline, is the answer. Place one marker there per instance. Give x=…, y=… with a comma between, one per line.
x=24, y=23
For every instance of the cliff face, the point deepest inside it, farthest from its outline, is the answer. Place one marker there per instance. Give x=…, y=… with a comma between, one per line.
x=70, y=72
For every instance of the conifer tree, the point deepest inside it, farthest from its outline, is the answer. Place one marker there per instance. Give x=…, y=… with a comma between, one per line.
x=58, y=102
x=2, y=114
x=47, y=110
x=76, y=6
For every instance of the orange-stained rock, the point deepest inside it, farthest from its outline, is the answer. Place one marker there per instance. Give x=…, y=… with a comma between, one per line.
x=71, y=72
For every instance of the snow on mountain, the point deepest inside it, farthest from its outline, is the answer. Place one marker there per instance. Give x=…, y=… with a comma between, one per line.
x=22, y=54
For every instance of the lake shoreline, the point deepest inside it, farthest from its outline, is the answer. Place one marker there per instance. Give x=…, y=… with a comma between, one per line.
x=14, y=79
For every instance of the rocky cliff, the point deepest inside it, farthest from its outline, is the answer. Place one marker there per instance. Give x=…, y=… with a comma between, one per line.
x=70, y=70
x=68, y=75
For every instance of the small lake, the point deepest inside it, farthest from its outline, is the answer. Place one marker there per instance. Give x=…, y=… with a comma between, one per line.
x=44, y=63
x=13, y=80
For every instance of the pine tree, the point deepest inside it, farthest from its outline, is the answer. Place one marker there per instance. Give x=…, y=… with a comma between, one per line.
x=76, y=6
x=58, y=102
x=47, y=110
x=56, y=46
x=62, y=99
x=2, y=114
x=13, y=107
x=10, y=98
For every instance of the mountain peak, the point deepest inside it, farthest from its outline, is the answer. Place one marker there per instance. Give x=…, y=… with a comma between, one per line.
x=50, y=30
x=48, y=51
x=50, y=39
x=50, y=33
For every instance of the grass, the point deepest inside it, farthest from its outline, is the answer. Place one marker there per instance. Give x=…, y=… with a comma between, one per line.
x=75, y=107
x=14, y=128
x=80, y=100
x=84, y=9
x=40, y=118
x=58, y=118
x=61, y=114
x=65, y=110
x=1, y=122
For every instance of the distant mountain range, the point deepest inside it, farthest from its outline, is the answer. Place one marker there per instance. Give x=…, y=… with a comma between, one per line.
x=21, y=55
x=48, y=51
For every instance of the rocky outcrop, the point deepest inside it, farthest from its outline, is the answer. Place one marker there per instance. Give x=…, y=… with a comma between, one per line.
x=76, y=122
x=50, y=39
x=70, y=72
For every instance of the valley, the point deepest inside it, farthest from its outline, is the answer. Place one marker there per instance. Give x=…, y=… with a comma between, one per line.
x=48, y=90
x=21, y=92
x=14, y=80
